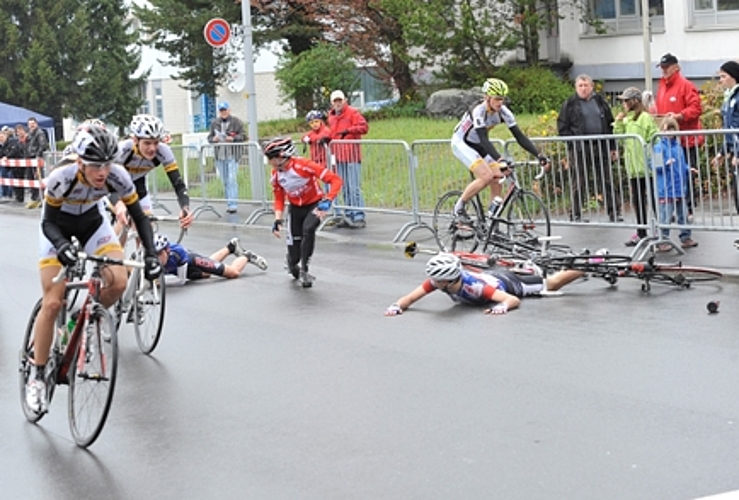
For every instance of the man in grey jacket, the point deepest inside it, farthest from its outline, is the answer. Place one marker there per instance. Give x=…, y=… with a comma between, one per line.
x=223, y=130
x=37, y=144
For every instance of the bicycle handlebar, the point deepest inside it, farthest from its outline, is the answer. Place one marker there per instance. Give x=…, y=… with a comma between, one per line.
x=503, y=166
x=101, y=259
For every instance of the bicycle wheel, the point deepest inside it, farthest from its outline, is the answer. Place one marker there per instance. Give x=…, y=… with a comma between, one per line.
x=24, y=368
x=604, y=265
x=449, y=236
x=92, y=377
x=683, y=276
x=525, y=220
x=148, y=314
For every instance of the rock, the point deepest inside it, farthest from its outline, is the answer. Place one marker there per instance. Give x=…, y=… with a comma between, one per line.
x=452, y=103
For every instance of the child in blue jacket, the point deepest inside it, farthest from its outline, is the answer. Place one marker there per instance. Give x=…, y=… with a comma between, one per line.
x=671, y=176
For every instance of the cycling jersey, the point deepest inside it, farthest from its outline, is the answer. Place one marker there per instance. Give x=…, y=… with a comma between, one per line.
x=478, y=288
x=138, y=166
x=72, y=208
x=188, y=265
x=482, y=117
x=299, y=182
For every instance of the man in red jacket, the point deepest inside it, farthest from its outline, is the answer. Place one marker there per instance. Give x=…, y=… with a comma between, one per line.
x=346, y=123
x=678, y=98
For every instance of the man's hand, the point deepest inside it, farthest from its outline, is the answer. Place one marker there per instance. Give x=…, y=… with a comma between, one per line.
x=121, y=213
x=497, y=309
x=393, y=310
x=186, y=217
x=67, y=254
x=343, y=133
x=152, y=267
x=276, y=227
x=323, y=141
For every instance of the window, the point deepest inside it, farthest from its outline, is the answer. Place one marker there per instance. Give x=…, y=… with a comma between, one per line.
x=158, y=101
x=624, y=16
x=714, y=13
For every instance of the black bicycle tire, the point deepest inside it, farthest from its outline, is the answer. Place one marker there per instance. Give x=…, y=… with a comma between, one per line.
x=437, y=221
x=88, y=437
x=24, y=368
x=508, y=221
x=147, y=347
x=689, y=274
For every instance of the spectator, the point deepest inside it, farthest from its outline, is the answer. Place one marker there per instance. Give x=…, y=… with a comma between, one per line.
x=318, y=137
x=20, y=172
x=635, y=120
x=587, y=113
x=347, y=123
x=671, y=173
x=678, y=98
x=728, y=77
x=8, y=150
x=227, y=129
x=37, y=144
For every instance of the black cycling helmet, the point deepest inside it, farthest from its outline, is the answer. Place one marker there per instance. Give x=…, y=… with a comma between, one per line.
x=279, y=148
x=95, y=144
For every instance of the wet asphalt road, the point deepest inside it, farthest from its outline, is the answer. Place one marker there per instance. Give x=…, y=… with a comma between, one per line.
x=262, y=390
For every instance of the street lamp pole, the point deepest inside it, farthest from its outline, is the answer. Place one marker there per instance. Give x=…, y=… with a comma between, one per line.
x=647, y=38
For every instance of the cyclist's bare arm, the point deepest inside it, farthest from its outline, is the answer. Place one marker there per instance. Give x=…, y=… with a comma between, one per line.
x=405, y=301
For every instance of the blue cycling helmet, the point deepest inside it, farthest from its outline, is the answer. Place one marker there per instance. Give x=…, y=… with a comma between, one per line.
x=315, y=114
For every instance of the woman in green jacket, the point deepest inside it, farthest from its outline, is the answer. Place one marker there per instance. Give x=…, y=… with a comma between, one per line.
x=636, y=120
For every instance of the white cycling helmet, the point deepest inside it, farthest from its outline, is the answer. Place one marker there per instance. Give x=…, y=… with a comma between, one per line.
x=160, y=242
x=444, y=266
x=147, y=127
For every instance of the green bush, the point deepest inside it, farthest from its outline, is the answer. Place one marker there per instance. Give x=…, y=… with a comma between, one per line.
x=534, y=90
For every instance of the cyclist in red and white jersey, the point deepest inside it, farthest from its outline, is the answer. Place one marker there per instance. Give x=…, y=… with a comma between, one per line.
x=298, y=180
x=71, y=209
x=141, y=154
x=500, y=289
x=471, y=143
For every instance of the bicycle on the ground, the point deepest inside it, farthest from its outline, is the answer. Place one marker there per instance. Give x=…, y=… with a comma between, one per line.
x=86, y=358
x=521, y=218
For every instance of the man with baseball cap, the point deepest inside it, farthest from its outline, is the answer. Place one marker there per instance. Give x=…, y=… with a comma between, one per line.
x=678, y=98
x=227, y=129
x=347, y=123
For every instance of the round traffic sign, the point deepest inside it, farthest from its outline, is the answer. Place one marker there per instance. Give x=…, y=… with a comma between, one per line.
x=217, y=32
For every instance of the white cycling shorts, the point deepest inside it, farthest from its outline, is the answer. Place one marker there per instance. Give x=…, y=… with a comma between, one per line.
x=466, y=154
x=103, y=241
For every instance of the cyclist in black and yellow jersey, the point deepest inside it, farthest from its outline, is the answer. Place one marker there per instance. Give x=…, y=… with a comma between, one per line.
x=141, y=154
x=471, y=143
x=71, y=209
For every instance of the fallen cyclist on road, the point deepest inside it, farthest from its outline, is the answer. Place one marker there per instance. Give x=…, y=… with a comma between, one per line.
x=499, y=289
x=188, y=265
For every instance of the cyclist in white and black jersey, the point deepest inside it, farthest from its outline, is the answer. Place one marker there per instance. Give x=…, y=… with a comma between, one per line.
x=70, y=209
x=144, y=152
x=471, y=143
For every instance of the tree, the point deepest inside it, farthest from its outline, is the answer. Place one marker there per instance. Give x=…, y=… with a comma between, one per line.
x=373, y=30
x=316, y=73
x=66, y=57
x=460, y=39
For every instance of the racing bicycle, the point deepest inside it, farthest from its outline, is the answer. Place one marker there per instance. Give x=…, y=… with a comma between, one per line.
x=143, y=302
x=521, y=217
x=85, y=359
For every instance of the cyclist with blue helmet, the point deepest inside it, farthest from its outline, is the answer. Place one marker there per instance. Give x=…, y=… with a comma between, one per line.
x=318, y=137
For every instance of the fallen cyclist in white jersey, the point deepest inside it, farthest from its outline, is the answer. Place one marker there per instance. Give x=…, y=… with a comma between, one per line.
x=499, y=289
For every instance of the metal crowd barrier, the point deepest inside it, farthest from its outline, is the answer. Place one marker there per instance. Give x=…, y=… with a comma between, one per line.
x=588, y=172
